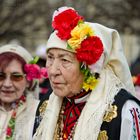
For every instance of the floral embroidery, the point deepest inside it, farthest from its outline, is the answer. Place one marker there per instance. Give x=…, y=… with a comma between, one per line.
x=136, y=123
x=11, y=123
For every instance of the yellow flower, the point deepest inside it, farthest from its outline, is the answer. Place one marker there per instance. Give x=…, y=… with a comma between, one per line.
x=90, y=83
x=78, y=34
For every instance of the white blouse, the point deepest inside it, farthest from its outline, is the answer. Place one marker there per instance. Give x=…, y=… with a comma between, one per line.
x=130, y=126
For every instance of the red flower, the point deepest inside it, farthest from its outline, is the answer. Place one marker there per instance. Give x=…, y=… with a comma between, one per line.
x=90, y=50
x=65, y=22
x=9, y=131
x=32, y=71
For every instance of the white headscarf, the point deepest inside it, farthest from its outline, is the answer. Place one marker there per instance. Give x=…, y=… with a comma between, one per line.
x=113, y=53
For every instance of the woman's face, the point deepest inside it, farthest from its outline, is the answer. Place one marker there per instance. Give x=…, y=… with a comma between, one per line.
x=12, y=82
x=64, y=72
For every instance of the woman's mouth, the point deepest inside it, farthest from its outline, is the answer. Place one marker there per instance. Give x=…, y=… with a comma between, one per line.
x=7, y=91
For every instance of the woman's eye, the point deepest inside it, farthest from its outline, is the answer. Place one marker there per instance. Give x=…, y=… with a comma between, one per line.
x=49, y=57
x=49, y=60
x=65, y=60
x=66, y=63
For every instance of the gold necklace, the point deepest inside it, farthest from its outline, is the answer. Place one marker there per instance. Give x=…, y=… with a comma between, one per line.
x=59, y=135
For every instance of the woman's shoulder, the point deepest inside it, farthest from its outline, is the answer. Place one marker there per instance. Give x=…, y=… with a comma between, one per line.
x=124, y=96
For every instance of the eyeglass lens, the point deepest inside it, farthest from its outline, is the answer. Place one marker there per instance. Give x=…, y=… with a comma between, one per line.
x=13, y=76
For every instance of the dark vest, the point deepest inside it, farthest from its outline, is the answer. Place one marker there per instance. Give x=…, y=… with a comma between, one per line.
x=111, y=126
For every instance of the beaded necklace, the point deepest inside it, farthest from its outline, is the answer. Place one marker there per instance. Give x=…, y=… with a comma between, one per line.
x=67, y=122
x=59, y=130
x=11, y=123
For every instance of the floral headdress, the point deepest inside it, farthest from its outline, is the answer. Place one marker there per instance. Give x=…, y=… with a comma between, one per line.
x=80, y=37
x=33, y=71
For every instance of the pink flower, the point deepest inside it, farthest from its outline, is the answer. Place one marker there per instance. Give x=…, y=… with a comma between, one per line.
x=32, y=71
x=44, y=73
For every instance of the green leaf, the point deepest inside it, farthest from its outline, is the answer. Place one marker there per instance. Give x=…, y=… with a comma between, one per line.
x=35, y=60
x=69, y=47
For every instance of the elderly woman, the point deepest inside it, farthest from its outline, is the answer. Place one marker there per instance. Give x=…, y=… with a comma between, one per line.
x=91, y=83
x=18, y=89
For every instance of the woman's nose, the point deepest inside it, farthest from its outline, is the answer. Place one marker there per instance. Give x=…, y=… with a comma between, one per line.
x=55, y=67
x=7, y=82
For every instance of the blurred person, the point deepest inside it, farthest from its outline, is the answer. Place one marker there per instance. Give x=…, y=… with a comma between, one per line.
x=18, y=92
x=44, y=87
x=135, y=66
x=44, y=84
x=93, y=94
x=135, y=71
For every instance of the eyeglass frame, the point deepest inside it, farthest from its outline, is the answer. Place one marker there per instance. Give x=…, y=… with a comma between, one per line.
x=16, y=77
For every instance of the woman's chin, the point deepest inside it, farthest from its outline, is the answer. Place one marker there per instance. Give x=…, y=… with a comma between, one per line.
x=6, y=100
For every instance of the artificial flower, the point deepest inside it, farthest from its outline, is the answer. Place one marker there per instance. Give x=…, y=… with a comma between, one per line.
x=43, y=72
x=90, y=50
x=90, y=83
x=65, y=22
x=78, y=34
x=32, y=71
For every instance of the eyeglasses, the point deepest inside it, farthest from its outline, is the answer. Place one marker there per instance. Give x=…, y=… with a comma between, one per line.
x=13, y=76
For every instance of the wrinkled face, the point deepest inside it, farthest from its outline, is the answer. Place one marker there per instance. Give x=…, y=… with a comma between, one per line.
x=12, y=82
x=64, y=72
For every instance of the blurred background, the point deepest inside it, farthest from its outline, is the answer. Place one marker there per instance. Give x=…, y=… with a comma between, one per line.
x=28, y=22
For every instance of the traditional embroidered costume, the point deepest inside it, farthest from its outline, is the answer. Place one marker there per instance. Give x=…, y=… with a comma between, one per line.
x=105, y=109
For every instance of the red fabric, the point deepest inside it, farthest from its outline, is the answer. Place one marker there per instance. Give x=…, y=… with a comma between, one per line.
x=72, y=112
x=137, y=124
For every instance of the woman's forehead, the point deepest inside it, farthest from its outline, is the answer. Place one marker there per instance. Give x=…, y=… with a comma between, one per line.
x=60, y=52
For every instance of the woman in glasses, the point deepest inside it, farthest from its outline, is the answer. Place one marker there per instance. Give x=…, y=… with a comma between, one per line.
x=18, y=88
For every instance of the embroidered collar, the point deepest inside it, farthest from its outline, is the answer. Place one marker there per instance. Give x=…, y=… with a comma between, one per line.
x=79, y=98
x=11, y=124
